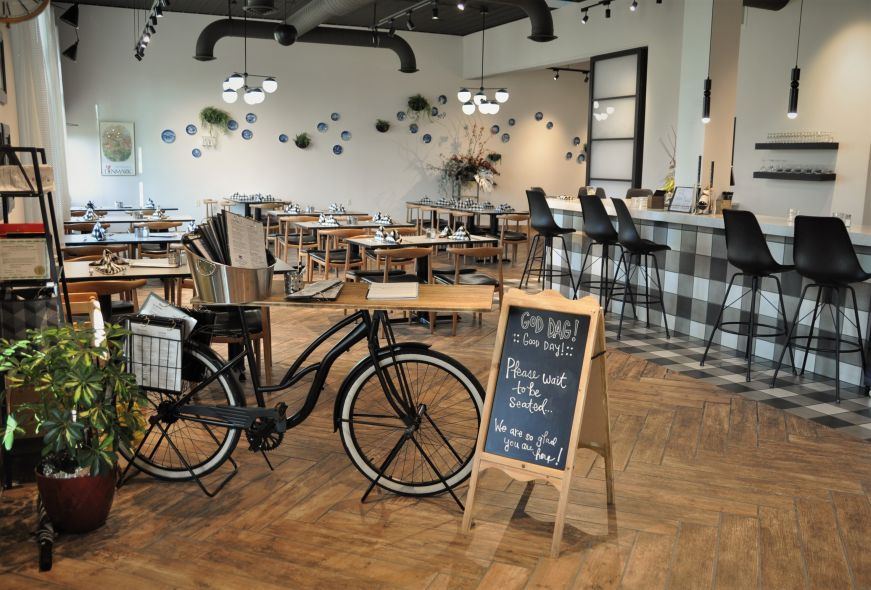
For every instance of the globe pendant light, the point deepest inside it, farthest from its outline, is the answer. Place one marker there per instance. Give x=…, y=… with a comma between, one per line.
x=270, y=85
x=484, y=105
x=494, y=107
x=230, y=96
x=501, y=95
x=235, y=81
x=468, y=108
x=464, y=95
x=479, y=97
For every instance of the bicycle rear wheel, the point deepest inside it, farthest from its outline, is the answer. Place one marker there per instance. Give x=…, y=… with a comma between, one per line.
x=419, y=453
x=204, y=447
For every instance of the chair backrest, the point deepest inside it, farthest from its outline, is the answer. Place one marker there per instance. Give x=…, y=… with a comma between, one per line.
x=600, y=192
x=597, y=224
x=822, y=246
x=746, y=247
x=82, y=303
x=458, y=252
x=627, y=232
x=89, y=257
x=84, y=227
x=388, y=255
x=161, y=225
x=88, y=250
x=105, y=287
x=540, y=216
x=638, y=192
x=537, y=189
x=406, y=231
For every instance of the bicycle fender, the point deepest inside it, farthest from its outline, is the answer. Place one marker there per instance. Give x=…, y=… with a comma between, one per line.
x=360, y=367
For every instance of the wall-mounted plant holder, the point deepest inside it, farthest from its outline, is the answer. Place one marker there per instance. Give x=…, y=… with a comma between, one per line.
x=302, y=140
x=382, y=126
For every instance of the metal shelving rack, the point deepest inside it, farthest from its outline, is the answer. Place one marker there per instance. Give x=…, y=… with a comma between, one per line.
x=56, y=281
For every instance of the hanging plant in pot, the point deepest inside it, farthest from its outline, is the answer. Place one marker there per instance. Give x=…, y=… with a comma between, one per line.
x=303, y=140
x=419, y=106
x=87, y=408
x=382, y=126
x=214, y=120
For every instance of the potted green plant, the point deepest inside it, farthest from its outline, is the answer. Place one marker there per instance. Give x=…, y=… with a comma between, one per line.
x=303, y=140
x=87, y=406
x=213, y=120
x=494, y=157
x=418, y=106
x=382, y=125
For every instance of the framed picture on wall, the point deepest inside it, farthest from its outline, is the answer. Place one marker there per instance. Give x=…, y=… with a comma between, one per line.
x=684, y=199
x=2, y=72
x=117, y=149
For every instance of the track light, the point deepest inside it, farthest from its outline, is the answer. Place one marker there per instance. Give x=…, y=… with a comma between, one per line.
x=409, y=24
x=586, y=18
x=587, y=77
x=556, y=74
x=435, y=10
x=634, y=6
x=151, y=30
x=71, y=16
x=461, y=6
x=607, y=10
x=706, y=102
x=146, y=38
x=138, y=56
x=659, y=1
x=158, y=11
x=391, y=31
x=72, y=51
x=792, y=111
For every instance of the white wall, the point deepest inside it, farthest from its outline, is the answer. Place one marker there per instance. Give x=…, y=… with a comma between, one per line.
x=376, y=172
x=834, y=91
x=656, y=26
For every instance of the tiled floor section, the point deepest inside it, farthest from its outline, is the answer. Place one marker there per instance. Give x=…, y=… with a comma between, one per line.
x=811, y=397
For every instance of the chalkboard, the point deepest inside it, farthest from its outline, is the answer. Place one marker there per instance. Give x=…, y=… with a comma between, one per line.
x=533, y=405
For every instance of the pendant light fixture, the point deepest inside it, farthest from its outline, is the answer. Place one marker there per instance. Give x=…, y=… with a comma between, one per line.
x=236, y=82
x=479, y=101
x=792, y=108
x=706, y=96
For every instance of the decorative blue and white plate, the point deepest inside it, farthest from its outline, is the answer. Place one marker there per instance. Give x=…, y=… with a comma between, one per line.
x=494, y=129
x=346, y=136
x=400, y=116
x=568, y=155
x=196, y=153
x=539, y=116
x=191, y=129
x=511, y=122
x=337, y=149
x=251, y=118
x=283, y=138
x=582, y=157
x=434, y=111
x=413, y=127
x=168, y=136
x=232, y=125
x=247, y=134
x=550, y=124
x=322, y=127
x=426, y=138
x=506, y=138
x=442, y=99
x=576, y=141
x=335, y=116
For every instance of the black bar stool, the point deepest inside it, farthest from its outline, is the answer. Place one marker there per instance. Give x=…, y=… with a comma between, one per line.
x=747, y=251
x=637, y=253
x=824, y=254
x=542, y=221
x=600, y=231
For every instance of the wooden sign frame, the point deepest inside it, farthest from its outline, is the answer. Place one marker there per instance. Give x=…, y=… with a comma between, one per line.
x=590, y=426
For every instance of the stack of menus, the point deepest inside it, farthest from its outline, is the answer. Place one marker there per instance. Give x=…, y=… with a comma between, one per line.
x=230, y=239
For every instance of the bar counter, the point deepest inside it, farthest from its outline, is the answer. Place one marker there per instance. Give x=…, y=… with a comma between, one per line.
x=695, y=274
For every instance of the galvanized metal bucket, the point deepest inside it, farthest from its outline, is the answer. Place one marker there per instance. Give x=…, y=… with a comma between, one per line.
x=219, y=283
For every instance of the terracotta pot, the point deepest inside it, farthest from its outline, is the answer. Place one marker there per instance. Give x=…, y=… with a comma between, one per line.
x=79, y=504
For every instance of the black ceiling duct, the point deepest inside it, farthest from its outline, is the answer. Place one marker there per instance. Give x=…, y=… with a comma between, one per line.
x=219, y=29
x=539, y=15
x=259, y=7
x=766, y=4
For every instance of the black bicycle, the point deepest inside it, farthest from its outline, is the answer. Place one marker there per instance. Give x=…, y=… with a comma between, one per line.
x=407, y=415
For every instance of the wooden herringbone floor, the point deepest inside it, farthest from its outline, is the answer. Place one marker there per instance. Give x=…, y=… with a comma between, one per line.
x=712, y=491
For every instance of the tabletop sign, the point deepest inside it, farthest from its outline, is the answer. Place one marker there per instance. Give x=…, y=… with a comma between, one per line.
x=537, y=387
x=546, y=396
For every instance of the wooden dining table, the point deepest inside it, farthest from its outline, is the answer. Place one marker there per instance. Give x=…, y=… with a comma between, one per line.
x=493, y=212
x=120, y=209
x=120, y=218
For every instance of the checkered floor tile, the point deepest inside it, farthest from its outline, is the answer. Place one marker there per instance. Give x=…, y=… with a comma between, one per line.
x=811, y=397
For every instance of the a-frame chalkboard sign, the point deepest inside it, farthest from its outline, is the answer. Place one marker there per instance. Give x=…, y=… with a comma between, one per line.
x=546, y=396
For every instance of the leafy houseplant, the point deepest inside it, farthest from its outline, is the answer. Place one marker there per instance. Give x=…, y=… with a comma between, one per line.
x=494, y=156
x=214, y=119
x=303, y=140
x=419, y=106
x=87, y=407
x=382, y=126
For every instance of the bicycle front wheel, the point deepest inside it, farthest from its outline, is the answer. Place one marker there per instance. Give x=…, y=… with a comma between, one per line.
x=189, y=445
x=420, y=448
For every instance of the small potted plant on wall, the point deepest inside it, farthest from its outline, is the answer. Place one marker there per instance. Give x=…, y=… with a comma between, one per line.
x=382, y=125
x=86, y=408
x=213, y=120
x=303, y=140
x=419, y=106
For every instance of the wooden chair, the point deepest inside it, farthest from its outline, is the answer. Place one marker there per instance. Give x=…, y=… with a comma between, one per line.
x=211, y=206
x=127, y=289
x=83, y=303
x=393, y=257
x=413, y=215
x=514, y=236
x=477, y=278
x=298, y=238
x=88, y=258
x=333, y=256
x=156, y=250
x=84, y=227
x=79, y=251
